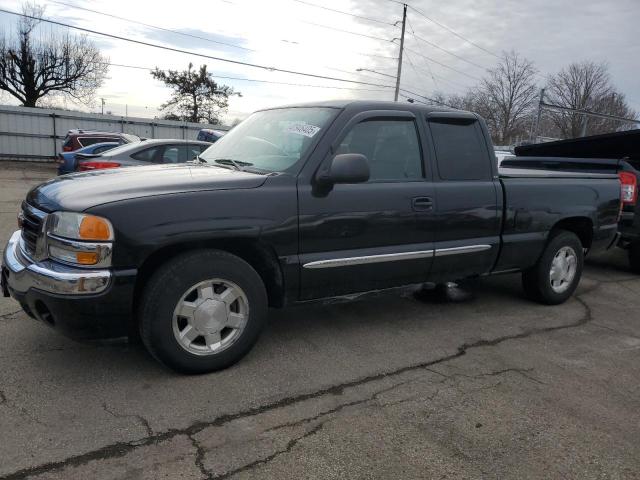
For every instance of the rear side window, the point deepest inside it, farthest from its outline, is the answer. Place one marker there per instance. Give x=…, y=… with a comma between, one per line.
x=146, y=155
x=461, y=153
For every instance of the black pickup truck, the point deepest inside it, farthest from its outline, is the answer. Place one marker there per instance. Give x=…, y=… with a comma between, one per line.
x=296, y=204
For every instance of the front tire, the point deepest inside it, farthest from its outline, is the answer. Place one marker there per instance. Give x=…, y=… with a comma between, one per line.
x=202, y=311
x=554, y=278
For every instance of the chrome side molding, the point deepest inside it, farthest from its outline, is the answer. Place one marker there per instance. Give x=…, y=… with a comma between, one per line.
x=392, y=257
x=442, y=252
x=385, y=257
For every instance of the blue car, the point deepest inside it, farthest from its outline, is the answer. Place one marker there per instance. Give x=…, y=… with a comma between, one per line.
x=67, y=161
x=209, y=135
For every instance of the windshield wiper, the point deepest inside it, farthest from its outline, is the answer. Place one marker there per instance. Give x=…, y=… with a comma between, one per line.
x=238, y=165
x=200, y=159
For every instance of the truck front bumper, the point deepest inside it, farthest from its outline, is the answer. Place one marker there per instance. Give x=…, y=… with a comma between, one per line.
x=81, y=303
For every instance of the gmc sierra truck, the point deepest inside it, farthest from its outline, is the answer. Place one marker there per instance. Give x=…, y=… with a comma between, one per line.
x=296, y=204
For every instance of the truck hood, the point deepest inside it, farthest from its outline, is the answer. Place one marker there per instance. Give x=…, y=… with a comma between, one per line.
x=80, y=191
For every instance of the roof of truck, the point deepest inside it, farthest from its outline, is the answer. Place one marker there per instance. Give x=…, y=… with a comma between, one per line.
x=370, y=104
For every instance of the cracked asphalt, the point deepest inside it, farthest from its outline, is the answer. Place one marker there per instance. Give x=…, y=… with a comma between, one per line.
x=384, y=387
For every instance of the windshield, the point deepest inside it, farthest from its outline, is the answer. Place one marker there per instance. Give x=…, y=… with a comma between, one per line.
x=271, y=140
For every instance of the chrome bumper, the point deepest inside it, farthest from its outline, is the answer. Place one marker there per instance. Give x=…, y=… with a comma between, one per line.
x=23, y=274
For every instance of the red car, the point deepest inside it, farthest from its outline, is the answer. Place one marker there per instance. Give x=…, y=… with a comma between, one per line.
x=77, y=138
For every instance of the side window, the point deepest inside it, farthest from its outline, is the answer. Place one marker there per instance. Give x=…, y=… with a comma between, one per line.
x=460, y=151
x=391, y=146
x=146, y=155
x=171, y=154
x=190, y=152
x=102, y=148
x=86, y=141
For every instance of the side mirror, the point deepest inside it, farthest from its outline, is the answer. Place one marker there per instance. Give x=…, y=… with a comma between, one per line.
x=346, y=168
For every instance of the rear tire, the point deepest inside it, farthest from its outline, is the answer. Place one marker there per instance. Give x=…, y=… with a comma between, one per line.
x=634, y=257
x=556, y=275
x=202, y=311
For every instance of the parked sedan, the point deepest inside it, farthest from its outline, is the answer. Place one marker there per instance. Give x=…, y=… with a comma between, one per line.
x=67, y=161
x=145, y=152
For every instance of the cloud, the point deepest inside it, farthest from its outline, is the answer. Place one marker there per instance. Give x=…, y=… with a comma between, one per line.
x=548, y=32
x=194, y=39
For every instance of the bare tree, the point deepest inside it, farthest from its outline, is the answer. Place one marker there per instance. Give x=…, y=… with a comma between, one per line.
x=506, y=97
x=36, y=64
x=196, y=96
x=586, y=86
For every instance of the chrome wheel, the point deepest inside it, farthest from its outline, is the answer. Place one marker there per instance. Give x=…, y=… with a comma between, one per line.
x=210, y=317
x=563, y=269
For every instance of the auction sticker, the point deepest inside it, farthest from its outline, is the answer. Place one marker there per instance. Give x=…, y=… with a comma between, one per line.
x=303, y=129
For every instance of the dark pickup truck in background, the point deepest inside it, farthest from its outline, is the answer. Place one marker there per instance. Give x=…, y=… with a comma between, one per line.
x=617, y=152
x=296, y=204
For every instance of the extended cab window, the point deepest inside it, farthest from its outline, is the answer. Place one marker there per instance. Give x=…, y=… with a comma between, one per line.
x=391, y=146
x=460, y=150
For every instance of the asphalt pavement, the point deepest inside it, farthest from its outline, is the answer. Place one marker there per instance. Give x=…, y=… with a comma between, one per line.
x=385, y=387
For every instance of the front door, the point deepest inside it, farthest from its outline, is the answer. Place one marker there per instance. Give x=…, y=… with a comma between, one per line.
x=376, y=234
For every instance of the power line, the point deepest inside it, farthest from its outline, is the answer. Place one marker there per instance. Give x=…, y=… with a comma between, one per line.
x=417, y=37
x=413, y=67
x=345, y=13
x=257, y=80
x=187, y=52
x=441, y=64
x=453, y=32
x=432, y=100
x=177, y=32
x=373, y=37
x=446, y=80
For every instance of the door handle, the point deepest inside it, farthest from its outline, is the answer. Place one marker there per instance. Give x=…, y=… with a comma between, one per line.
x=422, y=203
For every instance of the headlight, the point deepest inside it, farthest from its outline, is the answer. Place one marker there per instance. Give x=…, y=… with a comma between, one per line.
x=80, y=226
x=79, y=239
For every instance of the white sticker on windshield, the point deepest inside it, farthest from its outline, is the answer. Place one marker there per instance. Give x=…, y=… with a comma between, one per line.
x=303, y=129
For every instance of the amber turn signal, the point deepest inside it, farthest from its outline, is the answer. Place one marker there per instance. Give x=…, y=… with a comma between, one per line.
x=94, y=228
x=87, y=258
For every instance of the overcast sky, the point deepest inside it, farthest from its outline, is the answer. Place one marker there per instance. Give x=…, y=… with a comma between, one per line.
x=293, y=35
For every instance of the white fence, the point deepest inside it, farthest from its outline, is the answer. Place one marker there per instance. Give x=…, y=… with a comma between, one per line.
x=37, y=133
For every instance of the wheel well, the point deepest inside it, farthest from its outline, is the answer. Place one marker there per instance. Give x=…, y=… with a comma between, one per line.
x=581, y=226
x=260, y=256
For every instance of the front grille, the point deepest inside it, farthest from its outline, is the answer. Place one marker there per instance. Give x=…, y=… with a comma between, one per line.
x=32, y=219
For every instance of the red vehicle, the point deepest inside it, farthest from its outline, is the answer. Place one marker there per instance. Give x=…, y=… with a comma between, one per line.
x=77, y=138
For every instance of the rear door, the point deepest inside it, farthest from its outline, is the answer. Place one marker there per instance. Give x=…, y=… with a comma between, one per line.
x=376, y=234
x=468, y=197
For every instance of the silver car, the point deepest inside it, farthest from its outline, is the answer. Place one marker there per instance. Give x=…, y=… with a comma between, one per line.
x=144, y=152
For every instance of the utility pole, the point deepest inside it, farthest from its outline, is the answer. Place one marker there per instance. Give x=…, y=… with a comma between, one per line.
x=404, y=23
x=534, y=130
x=102, y=107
